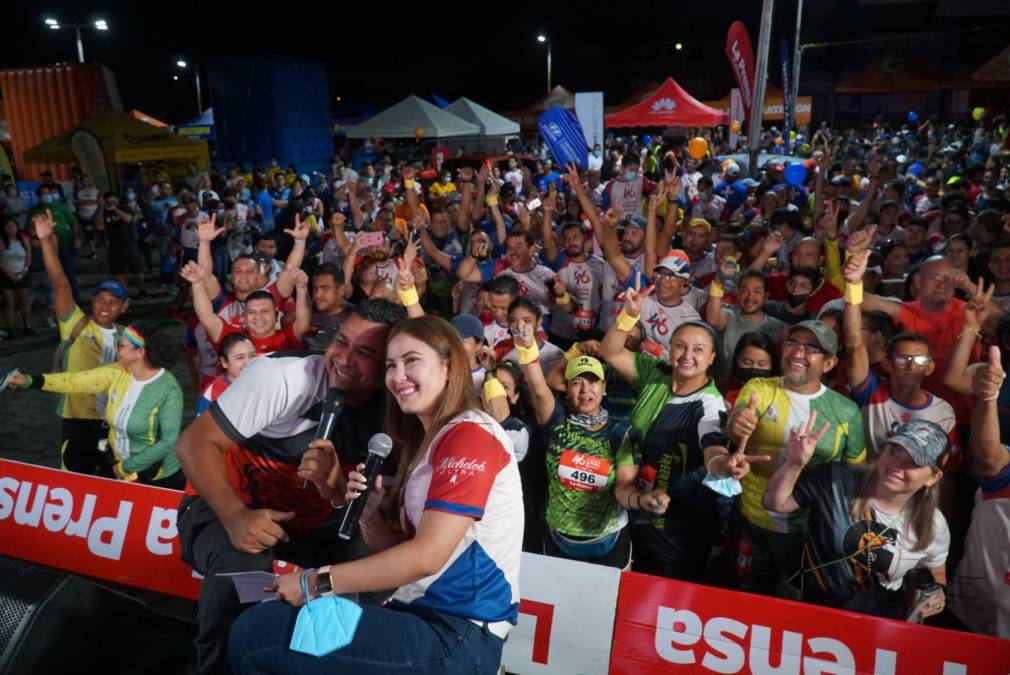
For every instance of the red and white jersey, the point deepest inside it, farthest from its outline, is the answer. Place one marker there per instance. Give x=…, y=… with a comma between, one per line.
x=387, y=273
x=660, y=321
x=495, y=334
x=470, y=469
x=584, y=282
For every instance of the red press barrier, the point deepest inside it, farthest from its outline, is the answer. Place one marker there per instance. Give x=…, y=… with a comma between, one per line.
x=126, y=533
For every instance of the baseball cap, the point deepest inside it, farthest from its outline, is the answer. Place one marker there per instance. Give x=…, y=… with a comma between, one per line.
x=826, y=337
x=925, y=441
x=733, y=169
x=676, y=262
x=111, y=286
x=468, y=326
x=634, y=221
x=841, y=181
x=582, y=365
x=700, y=222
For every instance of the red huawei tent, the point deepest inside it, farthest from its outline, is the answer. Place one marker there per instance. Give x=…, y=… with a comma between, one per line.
x=669, y=106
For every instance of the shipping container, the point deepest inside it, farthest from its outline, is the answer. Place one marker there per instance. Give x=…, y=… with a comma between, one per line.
x=43, y=101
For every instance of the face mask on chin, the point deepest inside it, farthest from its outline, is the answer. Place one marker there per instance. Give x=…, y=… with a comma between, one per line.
x=747, y=374
x=630, y=175
x=796, y=299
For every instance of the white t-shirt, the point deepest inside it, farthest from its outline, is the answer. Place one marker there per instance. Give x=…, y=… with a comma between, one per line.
x=660, y=321
x=584, y=282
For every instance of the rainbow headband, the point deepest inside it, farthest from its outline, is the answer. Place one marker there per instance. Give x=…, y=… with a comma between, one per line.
x=131, y=334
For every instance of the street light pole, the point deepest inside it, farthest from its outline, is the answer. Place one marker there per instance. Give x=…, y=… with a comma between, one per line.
x=80, y=44
x=542, y=37
x=757, y=105
x=183, y=64
x=794, y=85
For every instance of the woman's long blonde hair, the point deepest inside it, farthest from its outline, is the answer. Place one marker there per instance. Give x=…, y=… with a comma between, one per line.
x=409, y=437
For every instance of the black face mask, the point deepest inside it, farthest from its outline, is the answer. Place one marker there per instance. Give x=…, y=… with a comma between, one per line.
x=746, y=374
x=794, y=300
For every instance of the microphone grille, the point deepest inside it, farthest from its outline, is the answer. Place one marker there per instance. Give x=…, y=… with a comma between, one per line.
x=380, y=444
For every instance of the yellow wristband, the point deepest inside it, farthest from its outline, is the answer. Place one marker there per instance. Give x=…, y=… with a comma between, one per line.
x=854, y=293
x=409, y=184
x=527, y=355
x=564, y=299
x=491, y=200
x=409, y=297
x=573, y=353
x=117, y=469
x=971, y=329
x=493, y=389
x=625, y=322
x=715, y=290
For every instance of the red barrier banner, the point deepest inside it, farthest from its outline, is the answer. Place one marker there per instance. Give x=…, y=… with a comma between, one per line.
x=741, y=59
x=93, y=526
x=665, y=625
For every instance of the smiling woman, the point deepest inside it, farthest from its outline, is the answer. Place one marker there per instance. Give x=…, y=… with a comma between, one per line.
x=448, y=537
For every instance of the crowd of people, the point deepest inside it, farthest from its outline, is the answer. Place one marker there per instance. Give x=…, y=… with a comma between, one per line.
x=790, y=386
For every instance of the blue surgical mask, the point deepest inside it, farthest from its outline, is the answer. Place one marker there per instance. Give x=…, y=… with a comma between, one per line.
x=630, y=175
x=245, y=194
x=48, y=199
x=131, y=196
x=324, y=625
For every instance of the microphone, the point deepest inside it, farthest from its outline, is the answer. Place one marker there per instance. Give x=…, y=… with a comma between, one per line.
x=332, y=404
x=379, y=447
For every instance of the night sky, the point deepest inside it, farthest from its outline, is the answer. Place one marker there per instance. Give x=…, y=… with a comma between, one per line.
x=487, y=51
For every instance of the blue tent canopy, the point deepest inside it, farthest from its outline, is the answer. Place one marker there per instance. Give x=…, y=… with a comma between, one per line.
x=201, y=127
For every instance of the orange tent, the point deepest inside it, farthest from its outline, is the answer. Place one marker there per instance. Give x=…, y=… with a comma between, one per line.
x=890, y=74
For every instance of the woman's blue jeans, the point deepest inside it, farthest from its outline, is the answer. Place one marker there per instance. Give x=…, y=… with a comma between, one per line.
x=392, y=639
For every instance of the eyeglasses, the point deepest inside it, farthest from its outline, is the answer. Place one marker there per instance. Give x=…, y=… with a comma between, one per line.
x=808, y=347
x=666, y=274
x=921, y=360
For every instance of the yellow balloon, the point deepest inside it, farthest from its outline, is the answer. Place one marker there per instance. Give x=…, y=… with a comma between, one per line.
x=697, y=147
x=792, y=135
x=978, y=113
x=419, y=133
x=735, y=126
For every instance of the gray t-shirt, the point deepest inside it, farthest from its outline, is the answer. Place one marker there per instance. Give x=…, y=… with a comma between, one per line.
x=736, y=326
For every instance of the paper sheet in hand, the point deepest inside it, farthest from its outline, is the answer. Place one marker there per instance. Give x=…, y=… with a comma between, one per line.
x=252, y=586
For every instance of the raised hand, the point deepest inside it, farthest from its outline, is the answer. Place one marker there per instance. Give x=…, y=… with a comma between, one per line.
x=633, y=298
x=590, y=347
x=860, y=241
x=405, y=265
x=987, y=380
x=855, y=267
x=611, y=218
x=408, y=172
x=828, y=222
x=483, y=173
x=44, y=224
x=207, y=230
x=465, y=174
x=479, y=249
x=572, y=176
x=523, y=214
x=978, y=309
x=300, y=279
x=486, y=357
x=300, y=230
x=803, y=441
x=772, y=243
x=743, y=423
x=959, y=279
x=338, y=221
x=194, y=272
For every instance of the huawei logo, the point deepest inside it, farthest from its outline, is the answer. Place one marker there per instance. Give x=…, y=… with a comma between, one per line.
x=664, y=105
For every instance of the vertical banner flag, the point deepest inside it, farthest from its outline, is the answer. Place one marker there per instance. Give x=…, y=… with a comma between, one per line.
x=735, y=117
x=589, y=110
x=787, y=103
x=564, y=137
x=89, y=155
x=741, y=59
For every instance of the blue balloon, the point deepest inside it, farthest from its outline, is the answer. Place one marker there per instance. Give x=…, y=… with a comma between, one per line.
x=915, y=169
x=795, y=174
x=913, y=116
x=646, y=139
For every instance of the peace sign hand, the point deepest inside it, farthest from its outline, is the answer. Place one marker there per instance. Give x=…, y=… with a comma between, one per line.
x=803, y=441
x=977, y=310
x=633, y=298
x=737, y=464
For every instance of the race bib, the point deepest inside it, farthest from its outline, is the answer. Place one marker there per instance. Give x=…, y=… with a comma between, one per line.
x=584, y=320
x=583, y=473
x=652, y=348
x=618, y=303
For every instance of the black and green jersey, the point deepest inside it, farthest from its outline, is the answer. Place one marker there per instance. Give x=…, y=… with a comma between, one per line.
x=582, y=471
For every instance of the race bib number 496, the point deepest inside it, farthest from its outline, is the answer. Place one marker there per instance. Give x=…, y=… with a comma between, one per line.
x=583, y=473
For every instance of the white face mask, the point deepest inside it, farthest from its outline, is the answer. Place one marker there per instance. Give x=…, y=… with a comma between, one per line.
x=630, y=175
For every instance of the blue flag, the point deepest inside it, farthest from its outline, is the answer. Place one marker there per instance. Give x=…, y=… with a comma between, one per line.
x=563, y=135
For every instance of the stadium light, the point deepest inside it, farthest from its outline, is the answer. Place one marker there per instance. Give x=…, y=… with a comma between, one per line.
x=542, y=38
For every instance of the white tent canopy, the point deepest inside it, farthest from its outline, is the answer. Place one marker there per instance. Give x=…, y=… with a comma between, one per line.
x=490, y=122
x=404, y=118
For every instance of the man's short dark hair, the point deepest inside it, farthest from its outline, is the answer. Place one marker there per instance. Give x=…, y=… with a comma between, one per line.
x=808, y=272
x=877, y=321
x=524, y=235
x=380, y=310
x=784, y=215
x=991, y=221
x=504, y=285
x=754, y=274
x=269, y=236
x=572, y=225
x=732, y=239
x=260, y=263
x=523, y=302
x=895, y=340
x=261, y=295
x=327, y=269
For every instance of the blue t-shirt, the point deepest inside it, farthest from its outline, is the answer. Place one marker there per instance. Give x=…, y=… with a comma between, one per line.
x=544, y=181
x=266, y=204
x=734, y=193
